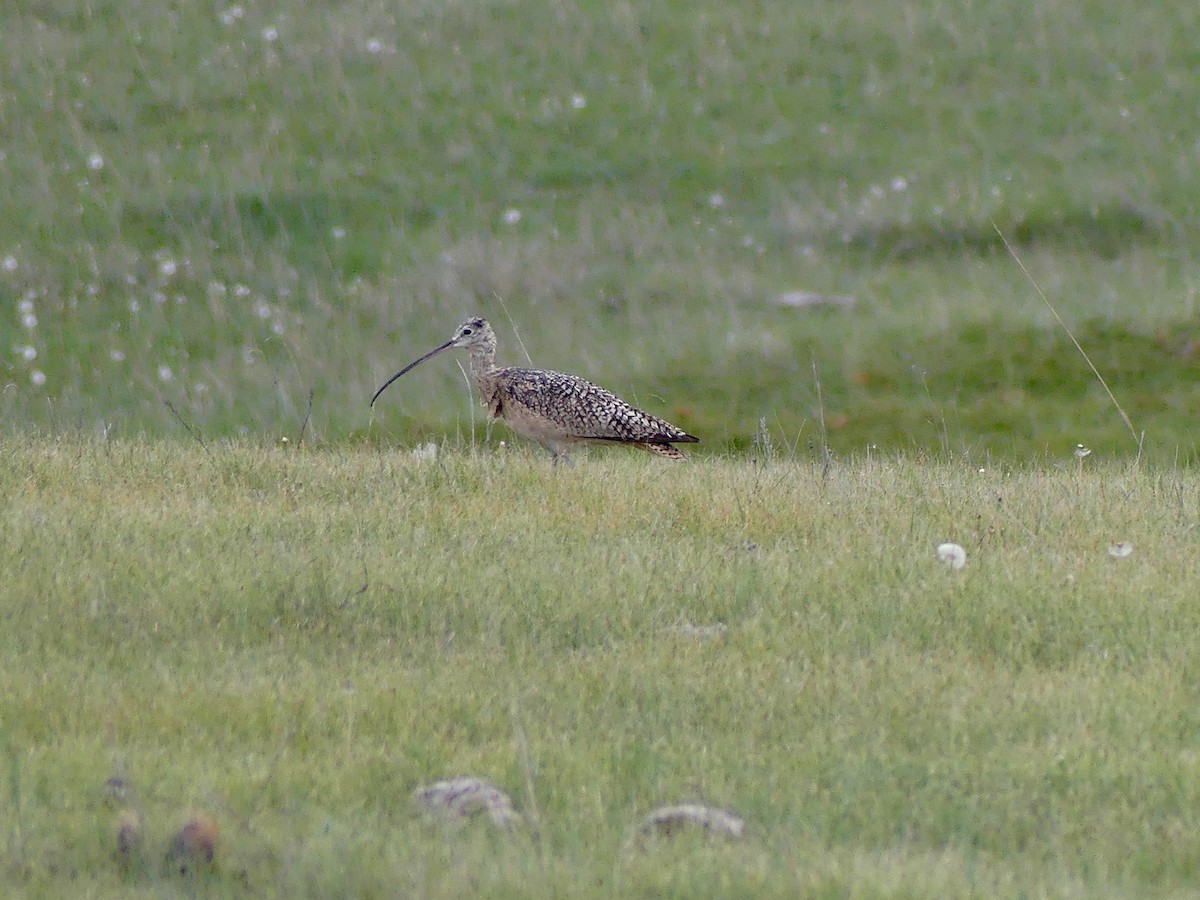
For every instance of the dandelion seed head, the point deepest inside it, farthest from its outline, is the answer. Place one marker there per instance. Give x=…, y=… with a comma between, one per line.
x=29, y=320
x=262, y=310
x=1120, y=549
x=38, y=377
x=95, y=162
x=952, y=555
x=27, y=353
x=338, y=233
x=374, y=45
x=716, y=201
x=25, y=306
x=167, y=268
x=511, y=216
x=9, y=264
x=578, y=101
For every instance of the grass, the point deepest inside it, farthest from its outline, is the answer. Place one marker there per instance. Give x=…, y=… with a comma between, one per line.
x=293, y=640
x=226, y=224
x=233, y=208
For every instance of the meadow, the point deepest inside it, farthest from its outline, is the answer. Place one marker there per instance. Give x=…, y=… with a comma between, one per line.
x=292, y=640
x=231, y=586
x=231, y=209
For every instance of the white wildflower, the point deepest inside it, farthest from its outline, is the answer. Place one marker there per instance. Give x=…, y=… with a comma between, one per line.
x=165, y=373
x=38, y=377
x=95, y=162
x=1120, y=549
x=511, y=216
x=952, y=555
x=10, y=264
x=578, y=101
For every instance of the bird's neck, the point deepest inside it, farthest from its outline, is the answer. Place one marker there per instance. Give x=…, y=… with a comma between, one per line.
x=483, y=362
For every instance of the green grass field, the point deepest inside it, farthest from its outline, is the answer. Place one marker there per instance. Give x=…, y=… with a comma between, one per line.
x=293, y=640
x=226, y=224
x=228, y=208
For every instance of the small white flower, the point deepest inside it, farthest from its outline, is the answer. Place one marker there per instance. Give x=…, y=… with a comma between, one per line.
x=232, y=14
x=165, y=373
x=25, y=306
x=277, y=327
x=876, y=190
x=262, y=310
x=38, y=377
x=952, y=555
x=95, y=162
x=10, y=264
x=29, y=320
x=899, y=183
x=160, y=297
x=338, y=233
x=1082, y=451
x=29, y=354
x=374, y=45
x=240, y=290
x=716, y=201
x=512, y=216
x=578, y=101
x=1120, y=549
x=117, y=356
x=216, y=288
x=134, y=306
x=167, y=268
x=270, y=34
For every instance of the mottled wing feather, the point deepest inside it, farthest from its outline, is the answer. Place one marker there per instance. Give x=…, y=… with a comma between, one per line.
x=583, y=409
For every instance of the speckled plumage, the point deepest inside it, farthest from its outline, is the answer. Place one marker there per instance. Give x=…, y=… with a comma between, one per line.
x=553, y=409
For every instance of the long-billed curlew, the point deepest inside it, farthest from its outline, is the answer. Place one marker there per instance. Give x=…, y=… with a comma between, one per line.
x=554, y=410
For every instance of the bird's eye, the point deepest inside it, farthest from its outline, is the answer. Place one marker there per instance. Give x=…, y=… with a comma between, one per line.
x=466, y=331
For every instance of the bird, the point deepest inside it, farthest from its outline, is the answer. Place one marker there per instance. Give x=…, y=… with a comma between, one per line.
x=554, y=410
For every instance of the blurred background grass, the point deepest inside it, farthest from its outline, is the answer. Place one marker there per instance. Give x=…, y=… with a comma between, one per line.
x=227, y=207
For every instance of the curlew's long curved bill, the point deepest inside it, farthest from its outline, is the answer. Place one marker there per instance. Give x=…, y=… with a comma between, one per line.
x=411, y=365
